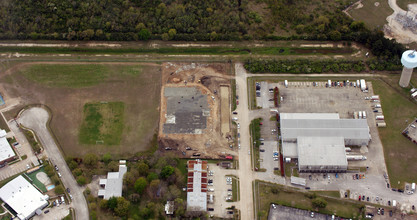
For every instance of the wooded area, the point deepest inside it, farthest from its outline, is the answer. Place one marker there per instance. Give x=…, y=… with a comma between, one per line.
x=122, y=20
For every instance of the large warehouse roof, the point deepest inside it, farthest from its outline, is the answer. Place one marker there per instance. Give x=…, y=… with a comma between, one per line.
x=6, y=150
x=22, y=197
x=347, y=128
x=327, y=151
x=309, y=116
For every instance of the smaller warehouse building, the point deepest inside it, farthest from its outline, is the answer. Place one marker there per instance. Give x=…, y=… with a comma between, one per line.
x=23, y=198
x=113, y=185
x=329, y=154
x=6, y=152
x=197, y=185
x=318, y=140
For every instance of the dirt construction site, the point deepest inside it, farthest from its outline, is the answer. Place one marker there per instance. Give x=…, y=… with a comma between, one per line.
x=195, y=110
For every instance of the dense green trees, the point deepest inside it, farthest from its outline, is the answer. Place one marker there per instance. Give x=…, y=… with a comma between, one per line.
x=303, y=66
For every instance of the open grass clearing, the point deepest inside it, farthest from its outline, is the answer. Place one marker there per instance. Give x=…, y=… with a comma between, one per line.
x=75, y=76
x=3, y=124
x=103, y=123
x=268, y=193
x=334, y=194
x=124, y=82
x=373, y=16
x=397, y=111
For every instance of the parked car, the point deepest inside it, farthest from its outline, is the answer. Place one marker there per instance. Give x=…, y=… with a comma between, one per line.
x=59, y=175
x=68, y=190
x=46, y=211
x=262, y=150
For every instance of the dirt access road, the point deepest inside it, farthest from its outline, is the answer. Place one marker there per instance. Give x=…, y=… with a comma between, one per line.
x=36, y=118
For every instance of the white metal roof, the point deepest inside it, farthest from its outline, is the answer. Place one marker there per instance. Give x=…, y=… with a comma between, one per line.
x=113, y=184
x=22, y=197
x=6, y=150
x=309, y=116
x=197, y=200
x=321, y=151
x=298, y=181
x=347, y=128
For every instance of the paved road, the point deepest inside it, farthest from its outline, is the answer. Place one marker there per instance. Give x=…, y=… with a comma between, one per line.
x=246, y=175
x=36, y=118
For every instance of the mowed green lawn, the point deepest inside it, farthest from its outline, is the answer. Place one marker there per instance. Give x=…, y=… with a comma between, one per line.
x=373, y=16
x=400, y=153
x=103, y=123
x=75, y=75
x=288, y=197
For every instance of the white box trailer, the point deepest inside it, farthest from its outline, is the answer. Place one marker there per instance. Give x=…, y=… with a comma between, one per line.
x=377, y=105
x=379, y=117
x=375, y=97
x=381, y=124
x=355, y=157
x=286, y=83
x=363, y=85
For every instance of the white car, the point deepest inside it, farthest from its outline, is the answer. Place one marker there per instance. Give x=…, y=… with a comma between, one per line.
x=210, y=184
x=211, y=190
x=59, y=174
x=249, y=152
x=238, y=125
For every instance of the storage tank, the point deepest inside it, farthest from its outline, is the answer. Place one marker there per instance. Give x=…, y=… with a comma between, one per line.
x=409, y=61
x=379, y=117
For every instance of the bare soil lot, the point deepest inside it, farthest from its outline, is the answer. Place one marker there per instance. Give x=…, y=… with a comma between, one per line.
x=207, y=140
x=137, y=86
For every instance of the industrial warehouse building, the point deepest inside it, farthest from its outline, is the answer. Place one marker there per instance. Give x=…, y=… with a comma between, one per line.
x=6, y=152
x=23, y=198
x=197, y=185
x=318, y=140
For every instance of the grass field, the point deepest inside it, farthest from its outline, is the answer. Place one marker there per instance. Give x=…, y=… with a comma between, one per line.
x=103, y=122
x=74, y=76
x=289, y=197
x=3, y=124
x=335, y=194
x=400, y=153
x=373, y=16
x=138, y=86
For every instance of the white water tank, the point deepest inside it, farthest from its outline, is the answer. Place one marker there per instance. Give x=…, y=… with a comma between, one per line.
x=409, y=61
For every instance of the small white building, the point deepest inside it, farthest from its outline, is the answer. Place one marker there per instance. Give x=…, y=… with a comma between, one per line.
x=23, y=198
x=113, y=184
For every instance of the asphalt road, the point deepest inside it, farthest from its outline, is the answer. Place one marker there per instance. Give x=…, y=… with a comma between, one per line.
x=36, y=118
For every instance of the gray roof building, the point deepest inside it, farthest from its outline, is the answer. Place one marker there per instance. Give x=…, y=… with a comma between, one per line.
x=318, y=140
x=113, y=184
x=316, y=154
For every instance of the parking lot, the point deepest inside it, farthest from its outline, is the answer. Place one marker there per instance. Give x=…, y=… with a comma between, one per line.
x=267, y=159
x=53, y=213
x=221, y=190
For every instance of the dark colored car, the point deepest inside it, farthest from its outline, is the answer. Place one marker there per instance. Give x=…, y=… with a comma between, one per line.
x=367, y=199
x=357, y=176
x=307, y=188
x=68, y=190
x=390, y=213
x=262, y=150
x=46, y=211
x=210, y=209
